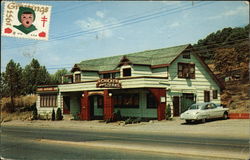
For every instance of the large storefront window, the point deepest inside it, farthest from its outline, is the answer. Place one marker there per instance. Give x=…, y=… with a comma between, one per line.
x=48, y=100
x=126, y=101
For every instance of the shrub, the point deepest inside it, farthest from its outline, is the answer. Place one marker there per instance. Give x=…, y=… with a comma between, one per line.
x=129, y=121
x=53, y=116
x=137, y=120
x=168, y=112
x=59, y=114
x=35, y=117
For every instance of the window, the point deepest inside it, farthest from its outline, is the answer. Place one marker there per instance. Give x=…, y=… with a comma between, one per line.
x=151, y=102
x=109, y=75
x=215, y=94
x=126, y=101
x=106, y=75
x=206, y=96
x=48, y=100
x=126, y=72
x=186, y=56
x=186, y=70
x=77, y=77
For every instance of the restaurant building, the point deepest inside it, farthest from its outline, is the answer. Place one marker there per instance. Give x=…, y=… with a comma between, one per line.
x=139, y=84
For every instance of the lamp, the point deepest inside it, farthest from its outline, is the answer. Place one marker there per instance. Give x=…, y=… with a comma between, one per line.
x=82, y=95
x=110, y=94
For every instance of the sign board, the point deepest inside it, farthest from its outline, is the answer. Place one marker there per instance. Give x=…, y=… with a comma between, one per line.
x=108, y=83
x=95, y=93
x=163, y=99
x=47, y=89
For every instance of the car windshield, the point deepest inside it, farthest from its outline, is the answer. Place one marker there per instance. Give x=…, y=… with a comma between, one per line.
x=195, y=106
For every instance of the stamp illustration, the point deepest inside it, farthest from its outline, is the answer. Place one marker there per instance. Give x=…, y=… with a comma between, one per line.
x=24, y=20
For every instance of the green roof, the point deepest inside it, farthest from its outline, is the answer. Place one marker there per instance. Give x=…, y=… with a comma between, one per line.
x=149, y=57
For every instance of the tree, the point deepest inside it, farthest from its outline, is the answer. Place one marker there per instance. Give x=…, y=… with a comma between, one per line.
x=59, y=115
x=34, y=75
x=57, y=77
x=53, y=116
x=206, y=47
x=13, y=81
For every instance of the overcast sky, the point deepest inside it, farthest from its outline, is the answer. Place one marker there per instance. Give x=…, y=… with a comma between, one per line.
x=86, y=30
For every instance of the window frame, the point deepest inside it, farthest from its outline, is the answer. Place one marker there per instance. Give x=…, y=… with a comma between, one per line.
x=124, y=71
x=151, y=99
x=126, y=100
x=207, y=96
x=48, y=100
x=78, y=77
x=215, y=94
x=186, y=55
x=185, y=68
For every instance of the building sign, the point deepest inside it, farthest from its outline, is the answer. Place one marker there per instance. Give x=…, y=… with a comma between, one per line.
x=108, y=83
x=47, y=89
x=95, y=93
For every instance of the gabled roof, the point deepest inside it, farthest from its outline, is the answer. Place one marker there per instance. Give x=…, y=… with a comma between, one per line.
x=149, y=57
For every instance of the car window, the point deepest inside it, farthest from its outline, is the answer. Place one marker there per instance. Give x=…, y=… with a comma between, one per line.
x=213, y=106
x=207, y=106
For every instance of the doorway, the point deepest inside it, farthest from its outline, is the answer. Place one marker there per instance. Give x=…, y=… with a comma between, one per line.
x=176, y=104
x=96, y=107
x=187, y=100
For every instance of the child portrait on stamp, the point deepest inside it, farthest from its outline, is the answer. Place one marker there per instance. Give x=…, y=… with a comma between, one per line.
x=26, y=17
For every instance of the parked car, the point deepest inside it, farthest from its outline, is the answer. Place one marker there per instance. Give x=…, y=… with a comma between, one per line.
x=204, y=111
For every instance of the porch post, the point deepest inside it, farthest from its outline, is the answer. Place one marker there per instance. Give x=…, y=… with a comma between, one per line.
x=161, y=106
x=108, y=105
x=85, y=107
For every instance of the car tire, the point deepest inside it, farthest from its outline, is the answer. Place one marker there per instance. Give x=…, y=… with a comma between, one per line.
x=203, y=120
x=188, y=121
x=225, y=115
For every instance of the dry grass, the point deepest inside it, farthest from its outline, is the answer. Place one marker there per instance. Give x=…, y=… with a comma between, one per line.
x=5, y=117
x=20, y=102
x=236, y=97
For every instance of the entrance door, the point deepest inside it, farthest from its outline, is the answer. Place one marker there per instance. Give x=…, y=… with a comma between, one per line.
x=66, y=105
x=96, y=107
x=176, y=104
x=187, y=100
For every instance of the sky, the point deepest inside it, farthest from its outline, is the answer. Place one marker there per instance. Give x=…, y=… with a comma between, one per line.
x=82, y=30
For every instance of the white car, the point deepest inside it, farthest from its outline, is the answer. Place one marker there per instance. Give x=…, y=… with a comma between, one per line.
x=203, y=111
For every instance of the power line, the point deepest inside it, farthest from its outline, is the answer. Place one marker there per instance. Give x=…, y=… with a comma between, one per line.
x=199, y=49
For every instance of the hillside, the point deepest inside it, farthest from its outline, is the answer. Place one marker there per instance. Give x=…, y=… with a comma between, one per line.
x=227, y=54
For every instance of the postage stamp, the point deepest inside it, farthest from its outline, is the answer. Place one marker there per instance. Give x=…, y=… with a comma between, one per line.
x=23, y=20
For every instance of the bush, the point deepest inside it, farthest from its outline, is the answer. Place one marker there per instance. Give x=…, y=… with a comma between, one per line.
x=59, y=114
x=168, y=112
x=129, y=121
x=137, y=120
x=35, y=117
x=53, y=116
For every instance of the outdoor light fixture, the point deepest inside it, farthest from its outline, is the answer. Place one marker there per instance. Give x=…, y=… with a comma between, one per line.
x=110, y=94
x=82, y=95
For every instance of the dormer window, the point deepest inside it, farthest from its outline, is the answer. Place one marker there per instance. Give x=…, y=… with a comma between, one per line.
x=126, y=72
x=77, y=77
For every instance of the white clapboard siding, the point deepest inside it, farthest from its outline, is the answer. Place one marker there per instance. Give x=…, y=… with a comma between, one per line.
x=203, y=81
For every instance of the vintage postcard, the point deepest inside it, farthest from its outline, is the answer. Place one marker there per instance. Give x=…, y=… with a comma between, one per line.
x=23, y=20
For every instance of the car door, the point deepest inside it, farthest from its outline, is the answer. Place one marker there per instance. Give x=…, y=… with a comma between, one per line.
x=215, y=111
x=206, y=111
